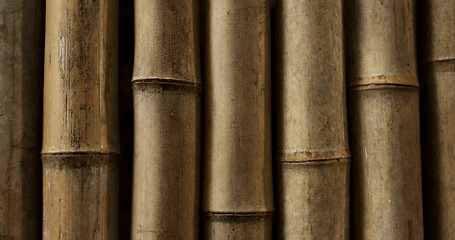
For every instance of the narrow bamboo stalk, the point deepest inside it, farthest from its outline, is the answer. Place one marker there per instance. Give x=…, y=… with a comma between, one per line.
x=237, y=178
x=80, y=135
x=383, y=105
x=436, y=45
x=312, y=162
x=166, y=88
x=21, y=64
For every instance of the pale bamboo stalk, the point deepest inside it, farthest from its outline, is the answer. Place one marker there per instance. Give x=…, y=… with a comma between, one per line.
x=166, y=88
x=312, y=162
x=21, y=64
x=237, y=178
x=383, y=107
x=436, y=45
x=80, y=136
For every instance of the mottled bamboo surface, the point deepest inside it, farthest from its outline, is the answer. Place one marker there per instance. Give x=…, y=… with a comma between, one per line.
x=312, y=153
x=80, y=129
x=436, y=46
x=383, y=107
x=167, y=92
x=237, y=199
x=21, y=71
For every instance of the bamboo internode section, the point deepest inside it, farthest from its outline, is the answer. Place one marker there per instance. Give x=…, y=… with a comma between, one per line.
x=21, y=69
x=80, y=127
x=312, y=162
x=383, y=104
x=436, y=45
x=237, y=178
x=167, y=91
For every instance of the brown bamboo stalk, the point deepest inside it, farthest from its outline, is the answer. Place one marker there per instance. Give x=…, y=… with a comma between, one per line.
x=383, y=108
x=21, y=64
x=237, y=177
x=436, y=45
x=80, y=135
x=166, y=88
x=312, y=162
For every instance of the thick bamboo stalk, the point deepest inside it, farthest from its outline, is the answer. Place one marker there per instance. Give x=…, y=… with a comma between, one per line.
x=80, y=135
x=312, y=162
x=21, y=64
x=166, y=88
x=436, y=45
x=383, y=107
x=237, y=178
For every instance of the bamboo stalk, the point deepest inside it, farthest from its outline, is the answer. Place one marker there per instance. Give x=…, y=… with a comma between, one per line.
x=166, y=88
x=80, y=136
x=237, y=178
x=312, y=162
x=436, y=30
x=383, y=108
x=21, y=64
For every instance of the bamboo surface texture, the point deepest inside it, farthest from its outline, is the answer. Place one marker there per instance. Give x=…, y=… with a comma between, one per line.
x=312, y=162
x=436, y=45
x=167, y=91
x=21, y=64
x=80, y=129
x=237, y=179
x=383, y=107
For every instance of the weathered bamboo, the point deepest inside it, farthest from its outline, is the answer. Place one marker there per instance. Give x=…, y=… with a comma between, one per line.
x=312, y=162
x=436, y=45
x=383, y=107
x=80, y=128
x=21, y=64
x=237, y=177
x=166, y=88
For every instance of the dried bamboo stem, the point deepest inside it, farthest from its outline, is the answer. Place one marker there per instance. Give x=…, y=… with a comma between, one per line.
x=237, y=184
x=21, y=64
x=312, y=163
x=436, y=45
x=383, y=104
x=80, y=135
x=166, y=88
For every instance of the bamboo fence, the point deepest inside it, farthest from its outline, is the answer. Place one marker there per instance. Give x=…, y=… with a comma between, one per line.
x=166, y=88
x=312, y=156
x=436, y=45
x=21, y=69
x=383, y=107
x=232, y=87
x=237, y=175
x=80, y=127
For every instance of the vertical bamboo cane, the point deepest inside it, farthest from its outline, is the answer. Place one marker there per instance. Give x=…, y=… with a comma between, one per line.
x=21, y=64
x=312, y=165
x=80, y=135
x=436, y=29
x=166, y=88
x=383, y=104
x=237, y=184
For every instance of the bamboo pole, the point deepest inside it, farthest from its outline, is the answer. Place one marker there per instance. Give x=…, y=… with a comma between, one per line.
x=166, y=88
x=237, y=177
x=312, y=162
x=383, y=108
x=80, y=135
x=21, y=64
x=436, y=45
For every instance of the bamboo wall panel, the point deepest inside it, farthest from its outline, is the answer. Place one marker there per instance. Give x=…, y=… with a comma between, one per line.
x=21, y=64
x=167, y=91
x=80, y=130
x=312, y=162
x=383, y=104
x=237, y=178
x=436, y=45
